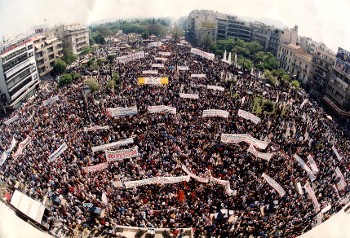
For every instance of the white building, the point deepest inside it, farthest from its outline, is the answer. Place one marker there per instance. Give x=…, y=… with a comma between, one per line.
x=18, y=71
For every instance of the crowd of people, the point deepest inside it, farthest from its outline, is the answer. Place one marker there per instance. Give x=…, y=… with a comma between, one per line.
x=166, y=142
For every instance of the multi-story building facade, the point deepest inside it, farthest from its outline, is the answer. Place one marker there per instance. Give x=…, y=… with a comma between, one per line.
x=322, y=63
x=47, y=48
x=18, y=71
x=267, y=36
x=74, y=37
x=233, y=27
x=289, y=36
x=295, y=61
x=337, y=95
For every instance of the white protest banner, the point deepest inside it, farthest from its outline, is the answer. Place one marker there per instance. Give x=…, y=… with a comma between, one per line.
x=104, y=198
x=274, y=184
x=258, y=154
x=121, y=154
x=236, y=138
x=51, y=100
x=110, y=145
x=198, y=76
x=188, y=95
x=117, y=184
x=137, y=183
x=21, y=146
x=164, y=53
x=341, y=185
x=336, y=153
x=224, y=183
x=7, y=152
x=150, y=71
x=312, y=164
x=326, y=208
x=12, y=119
x=161, y=108
x=97, y=167
x=160, y=59
x=130, y=57
x=249, y=116
x=157, y=65
x=312, y=195
x=299, y=188
x=154, y=44
x=215, y=113
x=305, y=167
x=199, y=179
x=95, y=128
x=122, y=111
x=213, y=87
x=58, y=152
x=203, y=54
x=183, y=67
x=171, y=180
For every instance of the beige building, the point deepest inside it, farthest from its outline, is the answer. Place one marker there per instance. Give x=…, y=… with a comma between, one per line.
x=295, y=61
x=74, y=37
x=289, y=36
x=47, y=48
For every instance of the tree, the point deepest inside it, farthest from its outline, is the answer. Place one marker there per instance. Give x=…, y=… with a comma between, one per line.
x=86, y=50
x=65, y=79
x=59, y=66
x=145, y=35
x=295, y=84
x=75, y=75
x=99, y=39
x=69, y=57
x=93, y=84
x=245, y=63
x=270, y=78
x=111, y=84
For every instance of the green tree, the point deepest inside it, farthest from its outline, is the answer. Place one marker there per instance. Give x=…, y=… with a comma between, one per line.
x=93, y=84
x=111, y=84
x=59, y=66
x=145, y=35
x=69, y=57
x=99, y=39
x=295, y=84
x=245, y=63
x=75, y=75
x=270, y=78
x=86, y=50
x=65, y=79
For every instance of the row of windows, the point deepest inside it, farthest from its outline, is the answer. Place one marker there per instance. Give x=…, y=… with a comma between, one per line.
x=15, y=61
x=15, y=89
x=13, y=80
x=14, y=54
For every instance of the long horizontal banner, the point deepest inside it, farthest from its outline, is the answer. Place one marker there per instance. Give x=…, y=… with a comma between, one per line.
x=274, y=184
x=213, y=87
x=7, y=152
x=183, y=68
x=157, y=65
x=152, y=80
x=12, y=119
x=164, y=53
x=21, y=146
x=51, y=100
x=122, y=111
x=130, y=57
x=192, y=175
x=160, y=59
x=236, y=138
x=156, y=180
x=154, y=44
x=161, y=108
x=58, y=152
x=249, y=116
x=118, y=155
x=97, y=167
x=95, y=128
x=110, y=145
x=150, y=71
x=313, y=197
x=198, y=76
x=215, y=113
x=188, y=95
x=305, y=167
x=224, y=183
x=312, y=164
x=203, y=54
x=258, y=154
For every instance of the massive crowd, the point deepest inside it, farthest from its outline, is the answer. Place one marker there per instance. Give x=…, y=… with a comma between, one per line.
x=168, y=141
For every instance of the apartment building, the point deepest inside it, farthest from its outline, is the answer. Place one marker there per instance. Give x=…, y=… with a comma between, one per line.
x=74, y=37
x=47, y=49
x=18, y=72
x=267, y=36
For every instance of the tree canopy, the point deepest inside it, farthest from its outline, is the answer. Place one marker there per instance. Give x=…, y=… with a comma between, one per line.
x=69, y=57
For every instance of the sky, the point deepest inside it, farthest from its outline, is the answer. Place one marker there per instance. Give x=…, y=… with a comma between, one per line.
x=322, y=20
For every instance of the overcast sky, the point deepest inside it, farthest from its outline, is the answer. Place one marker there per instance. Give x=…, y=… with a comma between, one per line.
x=323, y=20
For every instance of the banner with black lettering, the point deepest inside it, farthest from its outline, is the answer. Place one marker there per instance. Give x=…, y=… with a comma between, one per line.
x=7, y=152
x=150, y=71
x=95, y=168
x=58, y=152
x=203, y=54
x=95, y=128
x=274, y=184
x=237, y=138
x=198, y=76
x=122, y=111
x=213, y=87
x=130, y=57
x=249, y=116
x=215, y=113
x=118, y=155
x=110, y=145
x=165, y=54
x=160, y=59
x=161, y=108
x=156, y=180
x=258, y=154
x=189, y=96
x=157, y=65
